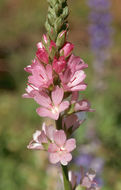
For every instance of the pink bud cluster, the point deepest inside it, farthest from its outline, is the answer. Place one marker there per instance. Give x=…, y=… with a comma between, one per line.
x=56, y=77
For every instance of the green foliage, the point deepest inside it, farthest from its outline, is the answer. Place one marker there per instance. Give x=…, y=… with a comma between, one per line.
x=21, y=27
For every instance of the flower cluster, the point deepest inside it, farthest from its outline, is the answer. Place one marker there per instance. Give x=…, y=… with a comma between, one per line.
x=56, y=77
x=87, y=181
x=100, y=28
x=55, y=142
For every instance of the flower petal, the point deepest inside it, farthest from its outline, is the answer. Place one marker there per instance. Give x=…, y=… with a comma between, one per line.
x=35, y=146
x=82, y=105
x=60, y=137
x=57, y=95
x=70, y=145
x=79, y=87
x=44, y=112
x=36, y=135
x=49, y=71
x=77, y=78
x=49, y=131
x=43, y=99
x=53, y=148
x=54, y=158
x=65, y=158
x=63, y=106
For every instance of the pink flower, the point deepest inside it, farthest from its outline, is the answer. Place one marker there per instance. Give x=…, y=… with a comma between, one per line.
x=59, y=64
x=67, y=49
x=41, y=138
x=51, y=108
x=88, y=181
x=73, y=76
x=61, y=148
x=41, y=76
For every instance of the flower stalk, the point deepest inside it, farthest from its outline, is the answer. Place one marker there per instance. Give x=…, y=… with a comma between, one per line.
x=67, y=185
x=55, y=78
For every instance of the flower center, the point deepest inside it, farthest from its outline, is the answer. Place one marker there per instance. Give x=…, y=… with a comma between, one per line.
x=55, y=109
x=62, y=148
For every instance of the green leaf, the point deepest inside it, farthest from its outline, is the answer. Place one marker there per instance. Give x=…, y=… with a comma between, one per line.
x=79, y=187
x=58, y=24
x=61, y=39
x=65, y=12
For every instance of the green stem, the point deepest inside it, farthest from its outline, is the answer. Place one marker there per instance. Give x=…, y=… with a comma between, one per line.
x=67, y=185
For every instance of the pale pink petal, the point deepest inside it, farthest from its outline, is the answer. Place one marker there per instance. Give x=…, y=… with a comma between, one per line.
x=49, y=71
x=44, y=112
x=43, y=99
x=49, y=131
x=78, y=77
x=36, y=135
x=53, y=148
x=86, y=182
x=80, y=87
x=63, y=106
x=65, y=158
x=57, y=95
x=26, y=96
x=35, y=146
x=60, y=137
x=70, y=145
x=82, y=105
x=54, y=158
x=42, y=138
x=39, y=45
x=74, y=59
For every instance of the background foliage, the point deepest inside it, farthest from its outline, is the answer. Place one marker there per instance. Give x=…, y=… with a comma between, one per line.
x=21, y=27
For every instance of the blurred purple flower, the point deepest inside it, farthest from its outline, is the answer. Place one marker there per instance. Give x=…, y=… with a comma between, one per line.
x=99, y=4
x=100, y=29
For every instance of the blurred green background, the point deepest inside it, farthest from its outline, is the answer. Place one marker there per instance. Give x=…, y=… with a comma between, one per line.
x=21, y=27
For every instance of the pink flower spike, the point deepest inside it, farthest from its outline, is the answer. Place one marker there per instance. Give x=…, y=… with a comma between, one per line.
x=60, y=149
x=67, y=49
x=59, y=64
